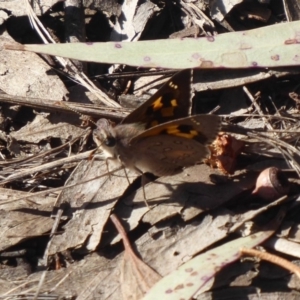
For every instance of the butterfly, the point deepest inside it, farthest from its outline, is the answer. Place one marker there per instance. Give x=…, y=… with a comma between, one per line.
x=159, y=136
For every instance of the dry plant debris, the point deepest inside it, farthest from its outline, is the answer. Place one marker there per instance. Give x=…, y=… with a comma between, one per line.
x=57, y=192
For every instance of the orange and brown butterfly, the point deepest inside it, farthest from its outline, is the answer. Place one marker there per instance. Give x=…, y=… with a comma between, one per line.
x=159, y=137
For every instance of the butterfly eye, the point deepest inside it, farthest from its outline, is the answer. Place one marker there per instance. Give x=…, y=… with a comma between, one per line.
x=110, y=142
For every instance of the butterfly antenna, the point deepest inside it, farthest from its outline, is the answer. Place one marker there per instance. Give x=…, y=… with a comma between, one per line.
x=84, y=117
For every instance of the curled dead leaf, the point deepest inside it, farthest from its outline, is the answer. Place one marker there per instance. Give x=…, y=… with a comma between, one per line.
x=224, y=151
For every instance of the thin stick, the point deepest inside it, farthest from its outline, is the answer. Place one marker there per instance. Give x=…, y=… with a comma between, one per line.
x=273, y=259
x=58, y=189
x=253, y=100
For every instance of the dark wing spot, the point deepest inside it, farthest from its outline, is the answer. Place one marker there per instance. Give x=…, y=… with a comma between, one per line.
x=163, y=109
x=185, y=128
x=188, y=129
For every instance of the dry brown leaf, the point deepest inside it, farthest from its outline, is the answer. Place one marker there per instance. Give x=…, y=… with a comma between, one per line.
x=20, y=225
x=136, y=276
x=187, y=194
x=90, y=204
x=33, y=202
x=224, y=151
x=42, y=129
x=25, y=74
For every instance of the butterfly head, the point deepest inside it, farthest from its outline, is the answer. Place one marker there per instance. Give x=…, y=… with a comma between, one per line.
x=105, y=137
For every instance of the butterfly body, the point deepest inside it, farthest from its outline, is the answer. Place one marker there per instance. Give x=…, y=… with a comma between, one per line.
x=158, y=137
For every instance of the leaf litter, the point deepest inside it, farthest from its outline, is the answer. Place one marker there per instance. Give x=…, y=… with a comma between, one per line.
x=57, y=195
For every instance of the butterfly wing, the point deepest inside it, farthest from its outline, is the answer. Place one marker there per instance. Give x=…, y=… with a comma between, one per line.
x=200, y=128
x=167, y=155
x=170, y=102
x=167, y=148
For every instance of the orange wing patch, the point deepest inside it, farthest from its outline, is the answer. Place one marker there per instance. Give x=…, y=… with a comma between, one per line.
x=157, y=104
x=176, y=130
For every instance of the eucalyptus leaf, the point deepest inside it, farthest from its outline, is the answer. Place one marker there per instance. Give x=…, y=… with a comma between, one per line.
x=270, y=46
x=194, y=276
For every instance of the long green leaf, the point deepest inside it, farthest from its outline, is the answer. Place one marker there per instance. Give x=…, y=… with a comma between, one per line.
x=272, y=46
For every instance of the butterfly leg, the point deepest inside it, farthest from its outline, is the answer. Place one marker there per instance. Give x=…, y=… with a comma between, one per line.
x=144, y=181
x=107, y=167
x=126, y=175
